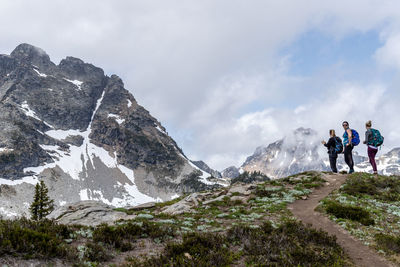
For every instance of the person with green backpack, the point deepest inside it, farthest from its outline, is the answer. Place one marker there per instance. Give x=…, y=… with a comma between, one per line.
x=373, y=139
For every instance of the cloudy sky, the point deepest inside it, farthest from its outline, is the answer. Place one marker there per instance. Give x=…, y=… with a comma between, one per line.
x=226, y=76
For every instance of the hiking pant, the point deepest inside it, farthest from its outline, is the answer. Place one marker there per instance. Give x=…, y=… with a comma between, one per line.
x=371, y=155
x=348, y=156
x=332, y=161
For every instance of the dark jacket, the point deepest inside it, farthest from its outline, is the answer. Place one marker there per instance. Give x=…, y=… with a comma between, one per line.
x=331, y=145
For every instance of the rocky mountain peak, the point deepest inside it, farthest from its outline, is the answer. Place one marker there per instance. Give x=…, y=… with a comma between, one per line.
x=27, y=53
x=85, y=135
x=77, y=69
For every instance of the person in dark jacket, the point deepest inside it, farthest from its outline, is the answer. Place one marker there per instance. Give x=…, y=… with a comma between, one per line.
x=333, y=145
x=372, y=150
x=348, y=146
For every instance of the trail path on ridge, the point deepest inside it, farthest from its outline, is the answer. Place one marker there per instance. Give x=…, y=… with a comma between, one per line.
x=304, y=211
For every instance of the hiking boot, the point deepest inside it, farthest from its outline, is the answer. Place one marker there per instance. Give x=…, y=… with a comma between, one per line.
x=351, y=171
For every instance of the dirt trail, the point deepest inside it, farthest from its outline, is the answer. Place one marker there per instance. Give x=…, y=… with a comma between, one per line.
x=304, y=210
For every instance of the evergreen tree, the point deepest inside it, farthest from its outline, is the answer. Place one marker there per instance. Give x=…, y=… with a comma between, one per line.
x=42, y=205
x=35, y=204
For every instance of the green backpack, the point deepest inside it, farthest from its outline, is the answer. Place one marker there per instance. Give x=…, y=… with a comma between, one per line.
x=377, y=139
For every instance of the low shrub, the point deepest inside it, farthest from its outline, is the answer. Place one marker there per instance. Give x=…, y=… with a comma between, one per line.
x=388, y=242
x=261, y=191
x=95, y=252
x=31, y=239
x=122, y=236
x=291, y=244
x=196, y=249
x=386, y=188
x=349, y=212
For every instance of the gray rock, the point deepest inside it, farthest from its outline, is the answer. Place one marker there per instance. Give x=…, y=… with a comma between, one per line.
x=75, y=140
x=178, y=208
x=239, y=198
x=186, y=204
x=230, y=172
x=90, y=213
x=220, y=198
x=143, y=206
x=243, y=189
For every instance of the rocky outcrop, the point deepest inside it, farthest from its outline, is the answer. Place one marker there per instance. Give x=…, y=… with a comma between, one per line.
x=90, y=213
x=231, y=172
x=85, y=135
x=239, y=191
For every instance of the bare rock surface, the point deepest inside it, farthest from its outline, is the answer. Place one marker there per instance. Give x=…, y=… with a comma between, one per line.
x=90, y=213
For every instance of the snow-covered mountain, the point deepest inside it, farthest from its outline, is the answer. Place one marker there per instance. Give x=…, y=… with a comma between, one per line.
x=295, y=153
x=85, y=135
x=302, y=151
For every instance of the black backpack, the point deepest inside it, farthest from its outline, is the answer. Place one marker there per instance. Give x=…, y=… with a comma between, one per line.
x=339, y=145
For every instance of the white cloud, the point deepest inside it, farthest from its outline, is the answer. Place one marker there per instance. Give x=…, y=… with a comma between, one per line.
x=354, y=103
x=212, y=69
x=389, y=53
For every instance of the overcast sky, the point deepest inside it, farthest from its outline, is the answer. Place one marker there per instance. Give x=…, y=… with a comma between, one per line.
x=226, y=76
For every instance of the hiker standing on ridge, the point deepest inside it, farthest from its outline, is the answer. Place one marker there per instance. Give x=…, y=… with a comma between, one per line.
x=373, y=139
x=350, y=139
x=335, y=147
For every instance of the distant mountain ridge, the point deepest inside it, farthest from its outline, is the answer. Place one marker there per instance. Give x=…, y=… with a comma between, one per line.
x=85, y=135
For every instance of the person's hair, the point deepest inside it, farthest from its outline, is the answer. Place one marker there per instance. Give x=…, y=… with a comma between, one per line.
x=368, y=124
x=332, y=132
x=346, y=123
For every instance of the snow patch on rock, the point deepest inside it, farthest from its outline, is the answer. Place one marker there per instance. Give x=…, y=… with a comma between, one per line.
x=76, y=83
x=39, y=73
x=117, y=118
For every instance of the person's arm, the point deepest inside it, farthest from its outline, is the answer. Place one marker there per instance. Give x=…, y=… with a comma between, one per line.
x=367, y=136
x=330, y=143
x=350, y=135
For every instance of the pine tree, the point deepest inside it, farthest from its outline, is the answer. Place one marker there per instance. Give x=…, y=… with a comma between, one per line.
x=42, y=205
x=35, y=204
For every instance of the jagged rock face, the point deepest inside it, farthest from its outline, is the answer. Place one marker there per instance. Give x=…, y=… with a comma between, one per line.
x=84, y=134
x=230, y=172
x=203, y=166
